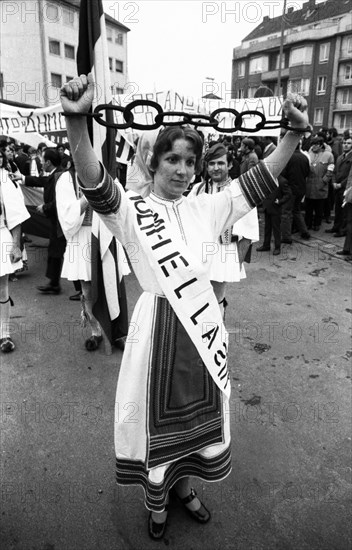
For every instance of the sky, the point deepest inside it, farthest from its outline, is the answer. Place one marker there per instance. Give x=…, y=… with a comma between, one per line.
x=186, y=45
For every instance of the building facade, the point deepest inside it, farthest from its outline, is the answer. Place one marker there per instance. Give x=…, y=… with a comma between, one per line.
x=38, y=47
x=316, y=60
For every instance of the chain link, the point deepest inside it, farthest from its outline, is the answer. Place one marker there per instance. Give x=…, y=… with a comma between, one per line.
x=197, y=120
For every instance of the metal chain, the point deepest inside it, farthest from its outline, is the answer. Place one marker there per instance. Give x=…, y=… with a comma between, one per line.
x=197, y=120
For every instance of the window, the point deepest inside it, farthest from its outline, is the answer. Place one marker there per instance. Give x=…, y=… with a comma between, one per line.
x=54, y=47
x=119, y=38
x=56, y=80
x=241, y=69
x=118, y=66
x=347, y=72
x=345, y=121
x=349, y=45
x=109, y=33
x=346, y=97
x=68, y=78
x=68, y=17
x=318, y=116
x=299, y=86
x=276, y=63
x=258, y=64
x=69, y=51
x=324, y=52
x=301, y=56
x=110, y=64
x=321, y=85
x=240, y=93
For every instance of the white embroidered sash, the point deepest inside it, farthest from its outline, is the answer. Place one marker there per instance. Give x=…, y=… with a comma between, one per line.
x=187, y=288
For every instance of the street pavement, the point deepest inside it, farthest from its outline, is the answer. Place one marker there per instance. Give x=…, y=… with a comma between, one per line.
x=290, y=360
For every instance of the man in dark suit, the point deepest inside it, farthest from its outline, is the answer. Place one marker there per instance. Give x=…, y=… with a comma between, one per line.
x=57, y=241
x=296, y=172
x=342, y=169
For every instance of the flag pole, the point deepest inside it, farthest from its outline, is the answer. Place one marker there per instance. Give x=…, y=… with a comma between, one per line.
x=281, y=48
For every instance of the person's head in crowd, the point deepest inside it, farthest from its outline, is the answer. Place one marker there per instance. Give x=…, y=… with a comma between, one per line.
x=51, y=159
x=332, y=133
x=41, y=148
x=347, y=145
x=346, y=134
x=218, y=162
x=61, y=150
x=8, y=150
x=237, y=141
x=317, y=143
x=247, y=146
x=323, y=135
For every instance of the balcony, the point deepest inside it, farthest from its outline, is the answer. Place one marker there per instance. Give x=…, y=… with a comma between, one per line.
x=273, y=75
x=341, y=81
x=345, y=55
x=342, y=107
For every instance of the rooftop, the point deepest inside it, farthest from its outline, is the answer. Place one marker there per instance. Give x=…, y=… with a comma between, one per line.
x=311, y=12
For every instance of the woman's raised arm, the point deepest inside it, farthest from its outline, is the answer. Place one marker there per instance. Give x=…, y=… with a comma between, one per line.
x=295, y=110
x=76, y=99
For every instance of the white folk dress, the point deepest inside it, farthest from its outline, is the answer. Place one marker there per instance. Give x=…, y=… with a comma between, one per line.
x=13, y=213
x=225, y=265
x=77, y=258
x=171, y=420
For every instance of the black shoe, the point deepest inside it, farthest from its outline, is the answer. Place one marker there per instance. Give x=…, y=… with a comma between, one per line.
x=277, y=251
x=49, y=289
x=156, y=530
x=305, y=236
x=76, y=297
x=6, y=344
x=343, y=253
x=263, y=248
x=286, y=241
x=93, y=342
x=202, y=515
x=332, y=230
x=120, y=344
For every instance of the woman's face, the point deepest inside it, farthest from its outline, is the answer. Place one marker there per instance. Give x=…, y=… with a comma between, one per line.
x=9, y=153
x=175, y=170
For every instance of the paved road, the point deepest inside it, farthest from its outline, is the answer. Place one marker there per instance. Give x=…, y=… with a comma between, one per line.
x=290, y=359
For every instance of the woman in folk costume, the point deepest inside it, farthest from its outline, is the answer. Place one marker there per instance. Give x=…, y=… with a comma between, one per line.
x=173, y=385
x=75, y=217
x=228, y=254
x=12, y=213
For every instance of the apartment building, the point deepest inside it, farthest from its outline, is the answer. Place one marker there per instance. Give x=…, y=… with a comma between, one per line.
x=316, y=60
x=38, y=46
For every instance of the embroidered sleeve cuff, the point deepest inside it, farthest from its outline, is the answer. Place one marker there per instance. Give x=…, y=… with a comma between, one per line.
x=105, y=198
x=257, y=184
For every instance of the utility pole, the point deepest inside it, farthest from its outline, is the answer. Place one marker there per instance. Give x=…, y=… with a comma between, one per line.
x=281, y=48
